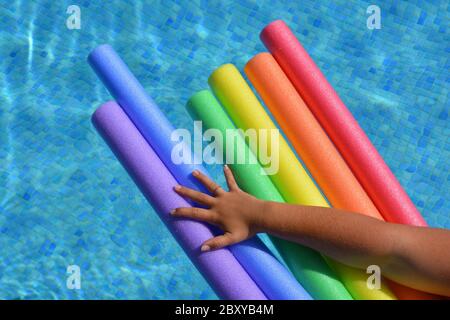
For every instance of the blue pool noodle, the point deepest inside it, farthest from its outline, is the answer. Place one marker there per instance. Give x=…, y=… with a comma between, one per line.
x=270, y=275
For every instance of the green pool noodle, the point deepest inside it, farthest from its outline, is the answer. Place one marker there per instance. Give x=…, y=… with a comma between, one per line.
x=307, y=265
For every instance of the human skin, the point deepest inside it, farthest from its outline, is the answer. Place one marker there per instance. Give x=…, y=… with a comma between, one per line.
x=417, y=257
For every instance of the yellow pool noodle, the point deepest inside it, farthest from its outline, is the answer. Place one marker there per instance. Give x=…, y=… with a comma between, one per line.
x=291, y=179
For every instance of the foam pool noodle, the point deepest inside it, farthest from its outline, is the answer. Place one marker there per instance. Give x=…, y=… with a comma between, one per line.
x=220, y=268
x=307, y=265
x=291, y=179
x=355, y=147
x=312, y=144
x=267, y=272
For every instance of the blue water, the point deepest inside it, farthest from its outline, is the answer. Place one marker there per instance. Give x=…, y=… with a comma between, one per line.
x=64, y=198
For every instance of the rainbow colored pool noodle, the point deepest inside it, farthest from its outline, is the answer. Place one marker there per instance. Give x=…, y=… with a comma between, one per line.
x=139, y=134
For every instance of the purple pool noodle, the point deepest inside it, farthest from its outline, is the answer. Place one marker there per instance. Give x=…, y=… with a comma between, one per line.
x=270, y=275
x=220, y=268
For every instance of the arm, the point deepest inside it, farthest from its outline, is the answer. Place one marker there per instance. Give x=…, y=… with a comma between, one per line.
x=413, y=256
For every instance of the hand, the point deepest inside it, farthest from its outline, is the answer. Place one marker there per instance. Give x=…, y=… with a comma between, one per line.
x=235, y=212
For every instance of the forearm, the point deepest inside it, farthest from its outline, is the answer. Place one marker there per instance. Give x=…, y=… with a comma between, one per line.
x=413, y=256
x=344, y=236
x=403, y=253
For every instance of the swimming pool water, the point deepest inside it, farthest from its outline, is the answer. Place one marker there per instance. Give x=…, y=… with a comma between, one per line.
x=64, y=199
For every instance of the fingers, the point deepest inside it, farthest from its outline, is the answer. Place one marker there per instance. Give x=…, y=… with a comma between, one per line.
x=195, y=213
x=195, y=195
x=231, y=182
x=220, y=241
x=212, y=187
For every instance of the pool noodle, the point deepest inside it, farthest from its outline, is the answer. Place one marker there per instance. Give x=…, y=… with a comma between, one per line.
x=307, y=137
x=256, y=259
x=220, y=268
x=312, y=144
x=306, y=264
x=291, y=180
x=355, y=147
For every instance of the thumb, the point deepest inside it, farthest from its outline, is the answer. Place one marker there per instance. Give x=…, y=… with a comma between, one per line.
x=220, y=241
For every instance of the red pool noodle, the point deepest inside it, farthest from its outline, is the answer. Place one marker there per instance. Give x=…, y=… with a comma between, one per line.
x=340, y=125
x=313, y=146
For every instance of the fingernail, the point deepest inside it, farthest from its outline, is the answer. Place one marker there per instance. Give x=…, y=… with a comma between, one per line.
x=195, y=173
x=172, y=211
x=205, y=247
x=177, y=187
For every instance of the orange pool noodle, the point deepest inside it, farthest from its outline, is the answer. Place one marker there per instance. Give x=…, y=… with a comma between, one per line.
x=309, y=140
